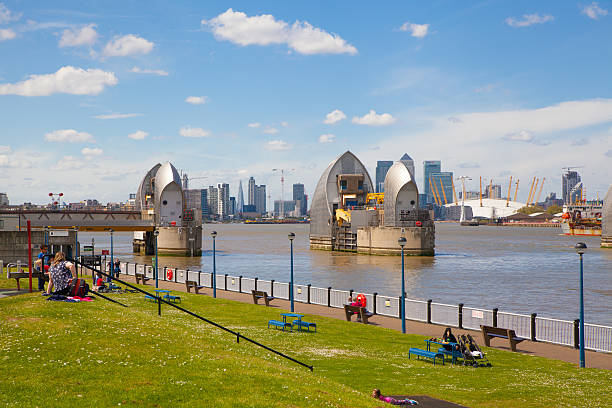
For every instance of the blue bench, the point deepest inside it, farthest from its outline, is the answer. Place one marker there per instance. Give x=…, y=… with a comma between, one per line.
x=307, y=325
x=424, y=353
x=174, y=299
x=280, y=324
x=453, y=354
x=150, y=298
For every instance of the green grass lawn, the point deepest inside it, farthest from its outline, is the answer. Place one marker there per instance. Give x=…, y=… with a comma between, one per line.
x=101, y=354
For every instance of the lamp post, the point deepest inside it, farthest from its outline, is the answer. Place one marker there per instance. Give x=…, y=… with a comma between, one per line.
x=156, y=234
x=581, y=249
x=76, y=248
x=291, y=238
x=112, y=263
x=214, y=276
x=402, y=241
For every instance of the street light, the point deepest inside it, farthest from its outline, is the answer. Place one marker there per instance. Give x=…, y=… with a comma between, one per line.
x=214, y=277
x=291, y=238
x=581, y=249
x=156, y=234
x=112, y=265
x=402, y=241
x=76, y=248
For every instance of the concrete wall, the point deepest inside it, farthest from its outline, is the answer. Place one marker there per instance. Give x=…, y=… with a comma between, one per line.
x=14, y=245
x=321, y=242
x=175, y=240
x=383, y=240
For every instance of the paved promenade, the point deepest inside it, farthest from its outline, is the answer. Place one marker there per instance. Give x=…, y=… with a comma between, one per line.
x=553, y=351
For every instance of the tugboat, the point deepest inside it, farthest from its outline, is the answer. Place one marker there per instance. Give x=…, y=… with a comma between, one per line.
x=582, y=219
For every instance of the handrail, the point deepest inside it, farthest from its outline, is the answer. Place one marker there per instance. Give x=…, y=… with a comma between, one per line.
x=159, y=299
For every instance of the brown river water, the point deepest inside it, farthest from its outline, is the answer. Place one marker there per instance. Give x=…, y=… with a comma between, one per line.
x=520, y=270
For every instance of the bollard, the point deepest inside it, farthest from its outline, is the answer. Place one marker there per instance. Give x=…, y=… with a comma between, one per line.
x=329, y=296
x=429, y=311
x=495, y=317
x=577, y=333
x=225, y=282
x=533, y=326
x=374, y=302
x=272, y=288
x=461, y=315
x=308, y=301
x=158, y=306
x=256, y=284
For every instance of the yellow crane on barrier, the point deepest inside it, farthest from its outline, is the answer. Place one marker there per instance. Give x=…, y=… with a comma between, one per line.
x=509, y=189
x=540, y=192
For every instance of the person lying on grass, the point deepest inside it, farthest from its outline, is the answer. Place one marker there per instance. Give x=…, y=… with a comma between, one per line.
x=393, y=401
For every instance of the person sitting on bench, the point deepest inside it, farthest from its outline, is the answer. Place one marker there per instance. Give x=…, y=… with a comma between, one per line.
x=393, y=401
x=448, y=337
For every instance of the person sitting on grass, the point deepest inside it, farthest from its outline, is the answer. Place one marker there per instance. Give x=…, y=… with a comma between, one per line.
x=393, y=401
x=61, y=273
x=98, y=283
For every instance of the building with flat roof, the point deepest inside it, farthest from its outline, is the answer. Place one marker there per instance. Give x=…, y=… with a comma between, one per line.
x=382, y=167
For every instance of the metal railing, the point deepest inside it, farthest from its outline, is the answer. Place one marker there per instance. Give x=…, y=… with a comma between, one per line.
x=533, y=327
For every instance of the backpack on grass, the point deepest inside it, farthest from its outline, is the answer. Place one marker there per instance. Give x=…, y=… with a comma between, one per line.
x=78, y=287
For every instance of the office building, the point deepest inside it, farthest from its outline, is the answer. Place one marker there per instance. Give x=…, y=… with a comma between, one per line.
x=232, y=206
x=288, y=208
x=251, y=191
x=300, y=199
x=260, y=199
x=571, y=188
x=409, y=163
x=204, y=203
x=494, y=191
x=382, y=167
x=192, y=199
x=219, y=201
x=443, y=186
x=430, y=167
x=240, y=198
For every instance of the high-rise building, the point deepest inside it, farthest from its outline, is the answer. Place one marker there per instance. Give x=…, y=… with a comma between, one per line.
x=571, y=192
x=409, y=163
x=260, y=199
x=251, y=191
x=382, y=167
x=192, y=199
x=224, y=198
x=232, y=206
x=429, y=167
x=288, y=208
x=443, y=186
x=204, y=203
x=213, y=202
x=4, y=199
x=494, y=191
x=240, y=198
x=300, y=198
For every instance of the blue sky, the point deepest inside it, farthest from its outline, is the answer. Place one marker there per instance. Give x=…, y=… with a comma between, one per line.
x=92, y=96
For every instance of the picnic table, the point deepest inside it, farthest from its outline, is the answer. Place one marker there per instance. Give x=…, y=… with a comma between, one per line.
x=165, y=294
x=454, y=353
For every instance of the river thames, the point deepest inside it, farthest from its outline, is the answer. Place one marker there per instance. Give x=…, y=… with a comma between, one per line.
x=520, y=270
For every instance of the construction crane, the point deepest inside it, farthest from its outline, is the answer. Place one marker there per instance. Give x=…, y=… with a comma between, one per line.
x=508, y=196
x=516, y=190
x=443, y=192
x=186, y=179
x=282, y=203
x=454, y=193
x=540, y=192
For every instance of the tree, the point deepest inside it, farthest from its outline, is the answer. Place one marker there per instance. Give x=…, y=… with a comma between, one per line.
x=530, y=209
x=554, y=209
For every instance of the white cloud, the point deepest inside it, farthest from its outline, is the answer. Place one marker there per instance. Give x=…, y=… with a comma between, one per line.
x=5, y=149
x=94, y=151
x=138, y=135
x=68, y=79
x=327, y=138
x=520, y=136
x=284, y=124
x=373, y=119
x=416, y=30
x=593, y=11
x=7, y=34
x=254, y=125
x=76, y=37
x=68, y=135
x=334, y=117
x=127, y=45
x=277, y=145
x=264, y=29
x=197, y=100
x=6, y=16
x=117, y=115
x=269, y=130
x=159, y=72
x=528, y=20
x=69, y=163
x=188, y=131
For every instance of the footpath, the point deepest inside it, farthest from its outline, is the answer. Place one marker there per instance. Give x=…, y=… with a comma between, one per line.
x=547, y=350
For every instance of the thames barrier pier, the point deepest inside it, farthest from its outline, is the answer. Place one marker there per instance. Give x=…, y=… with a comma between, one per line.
x=160, y=199
x=346, y=214
x=606, y=222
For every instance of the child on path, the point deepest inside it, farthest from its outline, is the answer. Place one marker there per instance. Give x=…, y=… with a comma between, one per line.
x=393, y=401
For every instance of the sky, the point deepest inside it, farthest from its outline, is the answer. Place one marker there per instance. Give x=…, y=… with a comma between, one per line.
x=94, y=95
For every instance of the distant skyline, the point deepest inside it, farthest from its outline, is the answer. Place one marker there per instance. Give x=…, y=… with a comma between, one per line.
x=93, y=95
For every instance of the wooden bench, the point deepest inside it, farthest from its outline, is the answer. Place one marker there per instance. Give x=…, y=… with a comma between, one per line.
x=26, y=275
x=193, y=284
x=141, y=278
x=278, y=323
x=361, y=312
x=301, y=323
x=488, y=332
x=424, y=353
x=258, y=294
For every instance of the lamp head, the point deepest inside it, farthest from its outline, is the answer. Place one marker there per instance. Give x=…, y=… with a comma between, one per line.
x=291, y=236
x=580, y=248
x=111, y=231
x=401, y=241
x=156, y=232
x=213, y=234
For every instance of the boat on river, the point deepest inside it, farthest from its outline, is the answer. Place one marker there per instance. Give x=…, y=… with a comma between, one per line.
x=582, y=219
